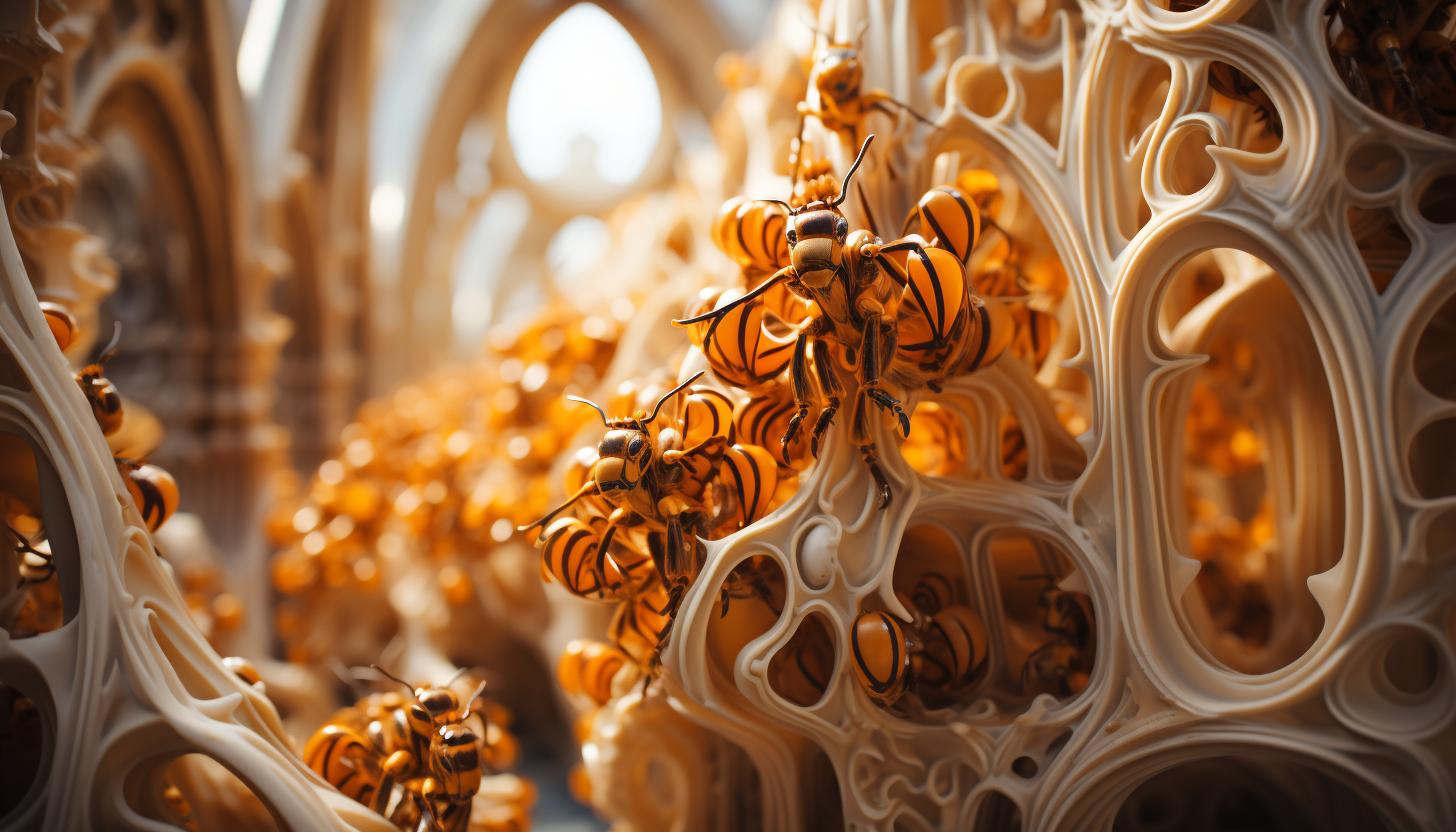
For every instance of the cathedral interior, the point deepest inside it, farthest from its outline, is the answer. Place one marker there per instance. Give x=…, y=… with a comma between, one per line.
x=636, y=415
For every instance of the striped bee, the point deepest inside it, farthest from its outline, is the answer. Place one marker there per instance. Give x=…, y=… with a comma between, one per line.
x=751, y=232
x=647, y=497
x=152, y=489
x=940, y=650
x=100, y=393
x=901, y=312
x=588, y=667
x=763, y=419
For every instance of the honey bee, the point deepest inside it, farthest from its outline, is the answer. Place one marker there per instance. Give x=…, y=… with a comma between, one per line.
x=35, y=566
x=1396, y=58
x=1232, y=83
x=1063, y=664
x=99, y=391
x=653, y=490
x=940, y=650
x=422, y=742
x=61, y=323
x=588, y=668
x=915, y=323
x=841, y=102
x=152, y=489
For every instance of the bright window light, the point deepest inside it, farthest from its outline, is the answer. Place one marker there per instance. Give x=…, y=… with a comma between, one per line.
x=585, y=76
x=487, y=248
x=580, y=244
x=386, y=207
x=259, y=34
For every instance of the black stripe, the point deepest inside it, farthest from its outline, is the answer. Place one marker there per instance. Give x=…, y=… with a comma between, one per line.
x=985, y=323
x=941, y=237
x=939, y=297
x=970, y=220
x=738, y=225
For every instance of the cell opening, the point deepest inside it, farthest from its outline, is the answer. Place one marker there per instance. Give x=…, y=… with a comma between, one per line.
x=749, y=603
x=1193, y=167
x=802, y=670
x=1438, y=200
x=1383, y=243
x=1254, y=793
x=1259, y=478
x=43, y=557
x=982, y=89
x=1024, y=767
x=1434, y=361
x=1256, y=126
x=998, y=813
x=1411, y=664
x=1374, y=167
x=1432, y=454
x=1048, y=634
x=196, y=792
x=22, y=747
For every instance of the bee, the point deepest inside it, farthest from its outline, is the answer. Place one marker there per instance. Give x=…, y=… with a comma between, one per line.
x=1395, y=58
x=1064, y=663
x=941, y=649
x=61, y=323
x=840, y=100
x=152, y=489
x=35, y=566
x=914, y=324
x=421, y=741
x=100, y=393
x=244, y=670
x=1232, y=83
x=588, y=668
x=655, y=493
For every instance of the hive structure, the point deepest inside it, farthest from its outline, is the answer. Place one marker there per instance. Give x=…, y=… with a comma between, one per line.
x=1231, y=452
x=1200, y=509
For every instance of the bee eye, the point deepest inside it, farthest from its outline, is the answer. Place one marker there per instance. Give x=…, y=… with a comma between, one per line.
x=793, y=237
x=635, y=447
x=842, y=230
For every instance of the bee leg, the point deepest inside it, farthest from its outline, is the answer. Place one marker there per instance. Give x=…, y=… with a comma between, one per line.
x=674, y=598
x=868, y=452
x=800, y=382
x=870, y=373
x=829, y=386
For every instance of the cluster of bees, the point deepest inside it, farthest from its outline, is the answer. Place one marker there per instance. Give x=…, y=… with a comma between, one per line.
x=655, y=486
x=421, y=758
x=455, y=463
x=152, y=489
x=1396, y=56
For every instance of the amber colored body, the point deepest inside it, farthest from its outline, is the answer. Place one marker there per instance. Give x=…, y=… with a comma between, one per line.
x=871, y=316
x=650, y=488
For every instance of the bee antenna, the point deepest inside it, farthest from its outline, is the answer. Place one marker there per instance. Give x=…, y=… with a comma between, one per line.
x=112, y=345
x=844, y=188
x=791, y=209
x=453, y=679
x=479, y=689
x=673, y=392
x=389, y=675
x=593, y=405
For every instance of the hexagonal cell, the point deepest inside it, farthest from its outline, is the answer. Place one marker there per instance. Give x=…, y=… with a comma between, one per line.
x=802, y=669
